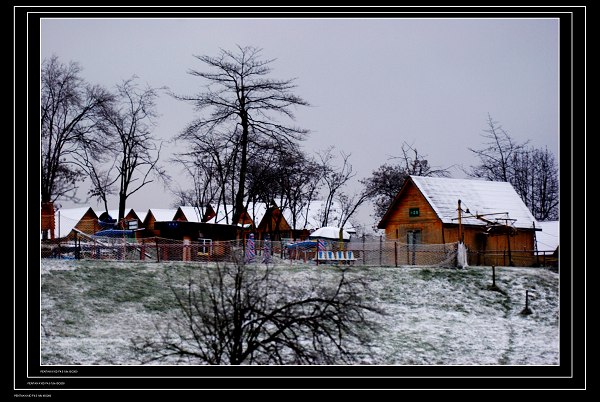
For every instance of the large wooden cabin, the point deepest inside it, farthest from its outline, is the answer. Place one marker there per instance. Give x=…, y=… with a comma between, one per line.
x=497, y=227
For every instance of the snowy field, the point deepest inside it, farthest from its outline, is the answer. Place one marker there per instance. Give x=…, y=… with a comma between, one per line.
x=434, y=316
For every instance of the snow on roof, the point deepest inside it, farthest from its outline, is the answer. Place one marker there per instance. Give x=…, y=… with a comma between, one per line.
x=192, y=214
x=547, y=239
x=162, y=215
x=479, y=196
x=114, y=213
x=67, y=218
x=256, y=211
x=224, y=215
x=141, y=215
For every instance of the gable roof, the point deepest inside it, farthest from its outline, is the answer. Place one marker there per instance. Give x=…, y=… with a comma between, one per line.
x=479, y=196
x=256, y=211
x=114, y=213
x=161, y=215
x=69, y=218
x=192, y=214
x=141, y=215
x=223, y=214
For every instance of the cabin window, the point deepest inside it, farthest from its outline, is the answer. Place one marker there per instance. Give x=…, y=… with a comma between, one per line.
x=412, y=212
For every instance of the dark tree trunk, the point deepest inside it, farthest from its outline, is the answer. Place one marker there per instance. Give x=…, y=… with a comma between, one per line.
x=122, y=202
x=239, y=198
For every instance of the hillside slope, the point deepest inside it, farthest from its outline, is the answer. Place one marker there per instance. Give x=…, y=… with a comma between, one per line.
x=434, y=316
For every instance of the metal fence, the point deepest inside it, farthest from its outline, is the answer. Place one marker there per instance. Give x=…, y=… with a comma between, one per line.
x=378, y=253
x=156, y=249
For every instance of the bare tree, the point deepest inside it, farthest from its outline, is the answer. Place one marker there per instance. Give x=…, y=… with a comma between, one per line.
x=334, y=179
x=99, y=166
x=300, y=184
x=497, y=154
x=532, y=172
x=534, y=176
x=251, y=315
x=241, y=104
x=68, y=104
x=128, y=123
x=385, y=182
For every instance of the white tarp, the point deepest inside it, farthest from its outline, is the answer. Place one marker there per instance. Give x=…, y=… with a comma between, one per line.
x=329, y=232
x=461, y=256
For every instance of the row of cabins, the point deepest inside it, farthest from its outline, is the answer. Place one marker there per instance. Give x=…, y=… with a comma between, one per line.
x=495, y=225
x=195, y=223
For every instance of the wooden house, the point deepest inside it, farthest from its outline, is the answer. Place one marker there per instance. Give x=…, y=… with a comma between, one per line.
x=131, y=220
x=156, y=215
x=190, y=214
x=71, y=220
x=275, y=225
x=495, y=224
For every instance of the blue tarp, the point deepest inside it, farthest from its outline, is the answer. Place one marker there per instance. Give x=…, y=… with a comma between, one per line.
x=302, y=245
x=115, y=233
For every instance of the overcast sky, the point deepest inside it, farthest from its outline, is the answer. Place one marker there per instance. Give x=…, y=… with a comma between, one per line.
x=372, y=83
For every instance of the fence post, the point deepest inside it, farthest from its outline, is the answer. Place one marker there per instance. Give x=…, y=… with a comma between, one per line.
x=363, y=250
x=396, y=253
x=380, y=249
x=157, y=250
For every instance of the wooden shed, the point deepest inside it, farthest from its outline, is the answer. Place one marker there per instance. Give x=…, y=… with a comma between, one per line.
x=497, y=227
x=156, y=215
x=71, y=220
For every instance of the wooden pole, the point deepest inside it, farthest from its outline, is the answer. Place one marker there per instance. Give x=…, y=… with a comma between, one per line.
x=363, y=250
x=460, y=233
x=510, y=261
x=396, y=253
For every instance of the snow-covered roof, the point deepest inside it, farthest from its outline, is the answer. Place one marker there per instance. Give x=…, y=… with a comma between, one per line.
x=141, y=214
x=547, y=239
x=224, y=214
x=67, y=218
x=256, y=211
x=479, y=196
x=114, y=213
x=162, y=215
x=192, y=214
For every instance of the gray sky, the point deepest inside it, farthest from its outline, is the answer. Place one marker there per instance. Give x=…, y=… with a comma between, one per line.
x=371, y=83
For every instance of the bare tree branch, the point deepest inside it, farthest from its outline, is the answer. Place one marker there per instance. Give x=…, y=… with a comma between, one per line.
x=250, y=315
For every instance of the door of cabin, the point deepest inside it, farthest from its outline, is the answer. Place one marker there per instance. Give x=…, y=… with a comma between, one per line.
x=413, y=238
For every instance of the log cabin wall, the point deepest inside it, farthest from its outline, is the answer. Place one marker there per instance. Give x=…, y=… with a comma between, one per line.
x=404, y=218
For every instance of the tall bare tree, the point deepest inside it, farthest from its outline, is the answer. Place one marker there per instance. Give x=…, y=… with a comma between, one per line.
x=243, y=314
x=68, y=105
x=241, y=103
x=497, y=153
x=98, y=165
x=533, y=172
x=210, y=162
x=334, y=178
x=534, y=176
x=128, y=123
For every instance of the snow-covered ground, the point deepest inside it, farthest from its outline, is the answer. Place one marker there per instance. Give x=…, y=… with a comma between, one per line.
x=434, y=316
